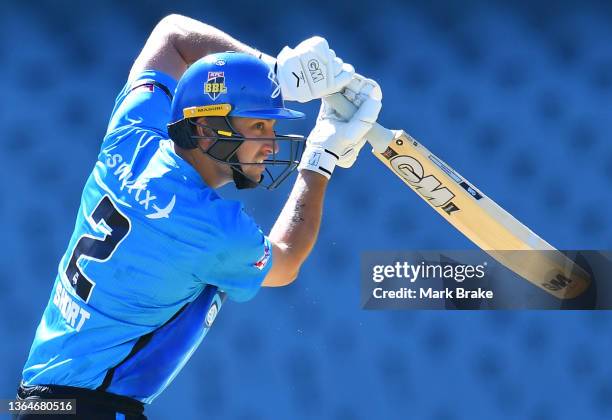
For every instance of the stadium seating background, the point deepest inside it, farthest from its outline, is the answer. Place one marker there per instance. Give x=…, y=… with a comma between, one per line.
x=517, y=98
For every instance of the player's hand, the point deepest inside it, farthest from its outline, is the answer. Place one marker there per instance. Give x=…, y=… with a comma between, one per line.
x=311, y=71
x=366, y=95
x=336, y=141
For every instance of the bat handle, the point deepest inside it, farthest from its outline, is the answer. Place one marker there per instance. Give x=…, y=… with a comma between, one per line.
x=378, y=136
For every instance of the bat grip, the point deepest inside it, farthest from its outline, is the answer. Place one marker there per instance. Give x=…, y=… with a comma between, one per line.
x=378, y=136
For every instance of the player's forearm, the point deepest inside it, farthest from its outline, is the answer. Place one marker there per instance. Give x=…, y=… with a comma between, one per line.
x=296, y=229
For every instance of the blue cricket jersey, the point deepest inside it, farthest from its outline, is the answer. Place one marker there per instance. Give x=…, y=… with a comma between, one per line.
x=153, y=255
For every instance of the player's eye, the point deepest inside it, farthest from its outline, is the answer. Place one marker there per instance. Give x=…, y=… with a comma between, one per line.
x=260, y=126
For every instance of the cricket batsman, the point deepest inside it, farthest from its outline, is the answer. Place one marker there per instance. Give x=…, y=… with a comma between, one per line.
x=156, y=250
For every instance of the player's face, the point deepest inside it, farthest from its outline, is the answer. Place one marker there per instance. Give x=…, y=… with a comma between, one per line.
x=253, y=150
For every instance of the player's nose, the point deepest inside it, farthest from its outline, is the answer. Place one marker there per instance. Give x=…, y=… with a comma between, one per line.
x=269, y=147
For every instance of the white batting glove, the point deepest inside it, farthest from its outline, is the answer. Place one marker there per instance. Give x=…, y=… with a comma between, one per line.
x=335, y=141
x=311, y=71
x=366, y=95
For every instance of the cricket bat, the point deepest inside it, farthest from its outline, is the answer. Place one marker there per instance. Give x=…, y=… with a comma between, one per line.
x=474, y=214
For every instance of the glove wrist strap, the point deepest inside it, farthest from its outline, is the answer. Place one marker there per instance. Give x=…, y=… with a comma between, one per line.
x=318, y=159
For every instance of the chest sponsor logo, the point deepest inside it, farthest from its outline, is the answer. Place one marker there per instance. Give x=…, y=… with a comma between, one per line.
x=137, y=189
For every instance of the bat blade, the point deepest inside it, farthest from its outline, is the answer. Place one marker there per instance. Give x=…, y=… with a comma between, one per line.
x=481, y=220
x=474, y=214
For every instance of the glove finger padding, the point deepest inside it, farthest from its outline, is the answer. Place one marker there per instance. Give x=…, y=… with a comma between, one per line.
x=343, y=77
x=368, y=111
x=368, y=98
x=350, y=157
x=335, y=141
x=359, y=88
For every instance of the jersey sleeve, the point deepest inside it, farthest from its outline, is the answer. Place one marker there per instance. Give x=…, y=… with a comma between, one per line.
x=244, y=258
x=142, y=103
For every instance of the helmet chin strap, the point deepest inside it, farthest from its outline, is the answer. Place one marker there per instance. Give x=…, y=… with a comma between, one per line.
x=221, y=149
x=242, y=181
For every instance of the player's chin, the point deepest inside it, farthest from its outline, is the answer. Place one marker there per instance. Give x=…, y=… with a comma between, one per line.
x=254, y=172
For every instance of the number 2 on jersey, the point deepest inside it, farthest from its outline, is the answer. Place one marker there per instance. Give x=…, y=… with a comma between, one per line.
x=115, y=225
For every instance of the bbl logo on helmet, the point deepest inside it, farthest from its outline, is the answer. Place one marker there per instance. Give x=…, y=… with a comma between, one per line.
x=215, y=84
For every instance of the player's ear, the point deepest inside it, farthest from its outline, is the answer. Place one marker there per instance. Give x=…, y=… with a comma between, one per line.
x=199, y=130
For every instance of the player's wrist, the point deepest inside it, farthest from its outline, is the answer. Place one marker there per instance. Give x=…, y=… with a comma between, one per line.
x=318, y=159
x=314, y=179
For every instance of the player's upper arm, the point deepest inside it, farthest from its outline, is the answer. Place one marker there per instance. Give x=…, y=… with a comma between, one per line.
x=242, y=253
x=159, y=52
x=251, y=259
x=143, y=103
x=284, y=270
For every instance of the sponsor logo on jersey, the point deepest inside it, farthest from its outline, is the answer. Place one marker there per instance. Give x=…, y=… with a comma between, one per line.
x=263, y=261
x=136, y=189
x=215, y=84
x=211, y=314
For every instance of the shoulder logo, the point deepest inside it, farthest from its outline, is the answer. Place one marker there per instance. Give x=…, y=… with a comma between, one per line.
x=263, y=261
x=215, y=84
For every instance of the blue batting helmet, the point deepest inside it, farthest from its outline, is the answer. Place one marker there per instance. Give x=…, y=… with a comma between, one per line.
x=224, y=85
x=230, y=84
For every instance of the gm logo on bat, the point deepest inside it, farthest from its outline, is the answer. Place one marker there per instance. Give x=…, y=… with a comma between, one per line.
x=559, y=282
x=430, y=187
